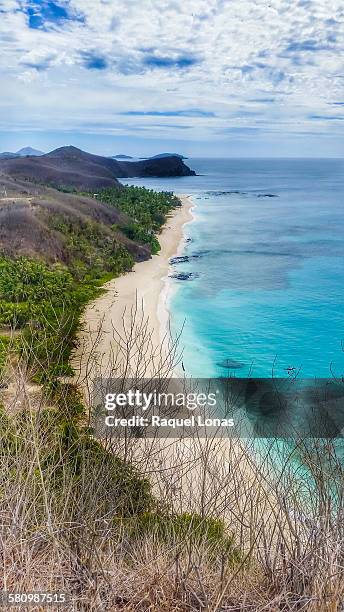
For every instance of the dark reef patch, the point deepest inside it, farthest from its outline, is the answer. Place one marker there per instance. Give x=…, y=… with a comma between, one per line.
x=230, y=364
x=237, y=192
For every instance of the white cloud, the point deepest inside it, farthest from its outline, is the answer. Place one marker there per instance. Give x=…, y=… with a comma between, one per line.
x=270, y=66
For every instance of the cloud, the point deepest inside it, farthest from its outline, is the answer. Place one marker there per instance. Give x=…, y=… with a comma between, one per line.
x=210, y=65
x=327, y=117
x=308, y=45
x=173, y=126
x=8, y=5
x=194, y=112
x=262, y=100
x=240, y=130
x=38, y=60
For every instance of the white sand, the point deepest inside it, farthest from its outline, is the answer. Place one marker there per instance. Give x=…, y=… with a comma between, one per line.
x=143, y=290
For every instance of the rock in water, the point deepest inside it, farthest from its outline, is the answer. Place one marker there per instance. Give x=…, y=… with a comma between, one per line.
x=184, y=276
x=177, y=260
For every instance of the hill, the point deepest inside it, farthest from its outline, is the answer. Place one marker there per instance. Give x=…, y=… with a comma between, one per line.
x=72, y=168
x=121, y=157
x=57, y=249
x=161, y=167
x=38, y=221
x=67, y=167
x=8, y=155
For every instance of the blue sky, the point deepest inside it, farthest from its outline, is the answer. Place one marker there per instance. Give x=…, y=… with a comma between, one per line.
x=203, y=77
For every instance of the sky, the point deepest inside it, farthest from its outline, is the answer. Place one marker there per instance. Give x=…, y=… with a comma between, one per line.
x=206, y=78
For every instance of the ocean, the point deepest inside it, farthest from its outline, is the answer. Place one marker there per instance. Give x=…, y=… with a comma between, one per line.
x=264, y=257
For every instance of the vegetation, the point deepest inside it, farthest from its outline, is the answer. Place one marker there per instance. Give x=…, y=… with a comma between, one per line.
x=116, y=525
x=68, y=481
x=4, y=348
x=76, y=516
x=46, y=301
x=176, y=529
x=92, y=251
x=109, y=527
x=147, y=209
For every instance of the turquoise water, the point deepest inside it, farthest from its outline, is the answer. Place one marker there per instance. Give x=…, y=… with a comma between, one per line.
x=266, y=252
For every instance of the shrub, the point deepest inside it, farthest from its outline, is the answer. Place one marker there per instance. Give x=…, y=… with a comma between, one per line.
x=186, y=530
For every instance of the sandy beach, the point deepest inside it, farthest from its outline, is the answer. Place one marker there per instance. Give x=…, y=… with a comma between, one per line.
x=112, y=346
x=142, y=291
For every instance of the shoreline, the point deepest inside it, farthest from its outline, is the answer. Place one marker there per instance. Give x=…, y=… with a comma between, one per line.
x=145, y=290
x=168, y=289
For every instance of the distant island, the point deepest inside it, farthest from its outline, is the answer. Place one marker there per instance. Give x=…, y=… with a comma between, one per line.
x=121, y=156
x=71, y=168
x=162, y=155
x=29, y=151
x=26, y=151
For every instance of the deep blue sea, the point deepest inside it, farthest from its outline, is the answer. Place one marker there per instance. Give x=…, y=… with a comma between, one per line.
x=267, y=258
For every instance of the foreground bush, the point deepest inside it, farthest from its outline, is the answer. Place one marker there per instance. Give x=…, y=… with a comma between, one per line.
x=75, y=517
